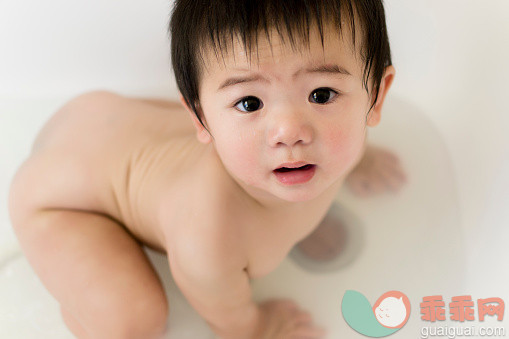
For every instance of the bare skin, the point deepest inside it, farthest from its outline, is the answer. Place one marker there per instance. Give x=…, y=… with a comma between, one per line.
x=136, y=165
x=156, y=210
x=378, y=171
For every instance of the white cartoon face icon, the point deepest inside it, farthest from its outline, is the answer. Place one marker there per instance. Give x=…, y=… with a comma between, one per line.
x=391, y=312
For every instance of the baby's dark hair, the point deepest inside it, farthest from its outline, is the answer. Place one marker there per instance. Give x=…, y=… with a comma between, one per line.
x=198, y=23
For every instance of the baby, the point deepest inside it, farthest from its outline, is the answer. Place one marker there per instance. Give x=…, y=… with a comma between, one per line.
x=276, y=98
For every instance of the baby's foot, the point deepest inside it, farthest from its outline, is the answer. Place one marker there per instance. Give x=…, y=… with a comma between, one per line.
x=327, y=241
x=378, y=171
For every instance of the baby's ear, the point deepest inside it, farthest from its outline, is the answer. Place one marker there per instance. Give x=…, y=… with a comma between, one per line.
x=385, y=84
x=202, y=134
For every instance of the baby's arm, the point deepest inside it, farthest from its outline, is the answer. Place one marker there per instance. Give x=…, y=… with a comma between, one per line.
x=209, y=268
x=212, y=278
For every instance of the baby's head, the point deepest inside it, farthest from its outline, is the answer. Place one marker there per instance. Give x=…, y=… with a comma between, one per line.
x=272, y=82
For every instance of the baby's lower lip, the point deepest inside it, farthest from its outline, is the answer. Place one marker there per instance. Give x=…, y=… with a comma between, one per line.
x=296, y=176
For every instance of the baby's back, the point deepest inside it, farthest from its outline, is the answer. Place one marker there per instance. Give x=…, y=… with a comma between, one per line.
x=102, y=152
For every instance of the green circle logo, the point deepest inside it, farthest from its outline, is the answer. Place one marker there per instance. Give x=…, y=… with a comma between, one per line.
x=389, y=313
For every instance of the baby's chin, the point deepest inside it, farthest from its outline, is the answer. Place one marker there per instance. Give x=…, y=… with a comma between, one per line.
x=300, y=197
x=298, y=194
x=275, y=193
x=280, y=196
x=308, y=192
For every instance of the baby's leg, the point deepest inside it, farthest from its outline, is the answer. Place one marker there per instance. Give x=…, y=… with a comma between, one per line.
x=98, y=273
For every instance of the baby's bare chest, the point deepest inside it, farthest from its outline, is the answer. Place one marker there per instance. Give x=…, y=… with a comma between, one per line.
x=266, y=238
x=270, y=244
x=209, y=202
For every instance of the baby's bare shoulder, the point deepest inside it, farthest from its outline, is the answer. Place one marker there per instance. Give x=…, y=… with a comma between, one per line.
x=82, y=147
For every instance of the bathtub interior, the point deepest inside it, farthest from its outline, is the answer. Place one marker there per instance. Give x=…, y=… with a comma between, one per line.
x=411, y=241
x=450, y=57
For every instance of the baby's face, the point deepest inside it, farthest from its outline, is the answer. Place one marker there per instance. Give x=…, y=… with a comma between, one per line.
x=308, y=106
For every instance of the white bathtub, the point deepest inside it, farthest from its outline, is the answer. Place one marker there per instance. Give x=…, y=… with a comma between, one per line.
x=446, y=233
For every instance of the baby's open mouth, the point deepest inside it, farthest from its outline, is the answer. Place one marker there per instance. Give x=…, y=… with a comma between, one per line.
x=286, y=169
x=294, y=176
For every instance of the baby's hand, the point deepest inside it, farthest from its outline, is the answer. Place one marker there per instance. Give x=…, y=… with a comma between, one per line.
x=378, y=171
x=282, y=318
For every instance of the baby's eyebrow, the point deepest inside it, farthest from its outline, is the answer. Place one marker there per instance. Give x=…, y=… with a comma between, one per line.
x=327, y=69
x=334, y=69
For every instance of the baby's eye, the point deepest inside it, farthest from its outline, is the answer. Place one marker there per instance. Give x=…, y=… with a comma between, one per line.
x=249, y=104
x=322, y=95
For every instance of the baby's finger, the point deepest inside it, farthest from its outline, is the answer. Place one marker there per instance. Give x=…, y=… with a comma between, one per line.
x=309, y=333
x=395, y=166
x=398, y=173
x=401, y=174
x=289, y=303
x=377, y=182
x=385, y=163
x=359, y=187
x=303, y=318
x=391, y=179
x=388, y=156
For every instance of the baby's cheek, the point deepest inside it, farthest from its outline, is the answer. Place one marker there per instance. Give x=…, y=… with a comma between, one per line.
x=242, y=160
x=344, y=147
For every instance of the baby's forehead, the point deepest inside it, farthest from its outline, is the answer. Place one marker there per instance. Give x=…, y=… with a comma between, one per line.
x=276, y=49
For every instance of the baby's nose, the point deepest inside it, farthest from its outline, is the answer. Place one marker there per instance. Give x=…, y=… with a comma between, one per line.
x=290, y=129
